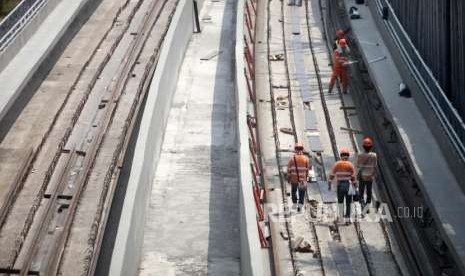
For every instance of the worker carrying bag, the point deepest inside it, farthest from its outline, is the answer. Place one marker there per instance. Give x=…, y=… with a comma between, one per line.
x=302, y=184
x=353, y=191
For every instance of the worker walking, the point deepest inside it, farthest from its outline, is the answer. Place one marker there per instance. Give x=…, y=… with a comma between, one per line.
x=366, y=170
x=344, y=172
x=340, y=34
x=340, y=62
x=297, y=174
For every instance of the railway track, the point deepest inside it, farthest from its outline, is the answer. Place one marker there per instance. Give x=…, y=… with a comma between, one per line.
x=417, y=234
x=92, y=128
x=374, y=262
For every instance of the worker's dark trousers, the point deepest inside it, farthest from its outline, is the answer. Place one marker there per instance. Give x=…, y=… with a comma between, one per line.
x=343, y=193
x=294, y=190
x=368, y=185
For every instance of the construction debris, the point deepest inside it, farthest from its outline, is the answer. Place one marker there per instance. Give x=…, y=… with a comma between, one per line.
x=211, y=55
x=282, y=103
x=280, y=86
x=277, y=57
x=356, y=131
x=287, y=130
x=303, y=246
x=347, y=108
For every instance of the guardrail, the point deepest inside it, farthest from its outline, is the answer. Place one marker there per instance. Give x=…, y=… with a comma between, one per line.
x=451, y=121
x=17, y=20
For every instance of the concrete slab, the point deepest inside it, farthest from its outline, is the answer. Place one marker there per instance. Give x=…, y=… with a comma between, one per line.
x=435, y=177
x=272, y=72
x=326, y=195
x=315, y=143
x=192, y=222
x=310, y=120
x=341, y=258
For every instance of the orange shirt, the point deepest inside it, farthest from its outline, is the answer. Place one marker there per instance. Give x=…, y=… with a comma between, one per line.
x=343, y=170
x=339, y=59
x=302, y=165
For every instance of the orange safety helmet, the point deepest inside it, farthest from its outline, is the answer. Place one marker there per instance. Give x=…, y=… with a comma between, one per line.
x=344, y=151
x=342, y=43
x=367, y=142
x=340, y=34
x=299, y=147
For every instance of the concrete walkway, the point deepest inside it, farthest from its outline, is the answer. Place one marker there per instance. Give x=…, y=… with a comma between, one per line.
x=192, y=225
x=437, y=182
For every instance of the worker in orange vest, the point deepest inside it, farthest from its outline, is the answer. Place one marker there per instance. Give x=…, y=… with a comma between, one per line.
x=366, y=170
x=340, y=34
x=297, y=174
x=340, y=62
x=344, y=173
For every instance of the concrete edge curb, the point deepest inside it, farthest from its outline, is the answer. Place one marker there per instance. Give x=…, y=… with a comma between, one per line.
x=127, y=251
x=421, y=101
x=47, y=59
x=251, y=257
x=27, y=32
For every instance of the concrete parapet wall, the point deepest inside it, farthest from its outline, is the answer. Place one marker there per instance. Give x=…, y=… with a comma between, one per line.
x=251, y=256
x=24, y=77
x=127, y=250
x=434, y=123
x=27, y=32
x=128, y=245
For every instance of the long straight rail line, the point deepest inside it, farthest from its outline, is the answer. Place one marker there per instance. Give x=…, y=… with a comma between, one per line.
x=70, y=128
x=381, y=223
x=362, y=242
x=276, y=132
x=408, y=241
x=116, y=88
x=330, y=129
x=15, y=187
x=123, y=146
x=277, y=145
x=292, y=119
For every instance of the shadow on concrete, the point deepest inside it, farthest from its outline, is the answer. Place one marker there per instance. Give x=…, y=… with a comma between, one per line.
x=111, y=229
x=224, y=238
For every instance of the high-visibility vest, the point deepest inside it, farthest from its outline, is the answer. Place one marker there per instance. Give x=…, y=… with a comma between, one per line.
x=297, y=168
x=366, y=164
x=340, y=57
x=343, y=170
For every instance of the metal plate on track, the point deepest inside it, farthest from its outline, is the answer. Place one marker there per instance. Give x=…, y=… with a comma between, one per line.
x=341, y=258
x=327, y=196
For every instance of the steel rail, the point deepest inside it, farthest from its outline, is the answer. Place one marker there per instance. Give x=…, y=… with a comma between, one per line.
x=116, y=88
x=276, y=138
x=69, y=130
x=15, y=187
x=292, y=118
x=330, y=128
x=275, y=231
x=359, y=231
x=123, y=146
